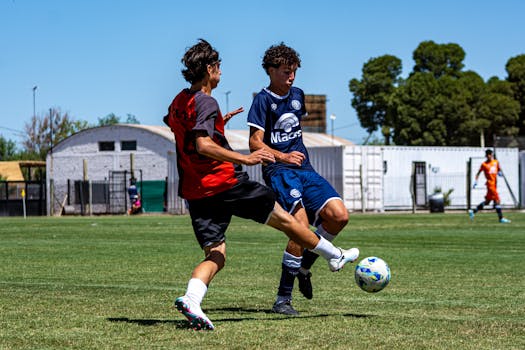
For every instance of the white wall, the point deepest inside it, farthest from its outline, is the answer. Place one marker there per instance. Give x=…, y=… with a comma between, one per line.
x=363, y=178
x=67, y=160
x=446, y=168
x=357, y=172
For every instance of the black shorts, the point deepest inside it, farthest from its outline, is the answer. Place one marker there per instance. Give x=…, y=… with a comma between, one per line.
x=211, y=216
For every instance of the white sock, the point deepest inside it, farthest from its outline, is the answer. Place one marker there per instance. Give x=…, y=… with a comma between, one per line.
x=291, y=260
x=196, y=290
x=323, y=233
x=326, y=249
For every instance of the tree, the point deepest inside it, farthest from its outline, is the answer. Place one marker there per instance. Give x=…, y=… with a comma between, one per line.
x=110, y=119
x=131, y=119
x=8, y=149
x=516, y=76
x=452, y=111
x=438, y=59
x=45, y=132
x=371, y=94
x=416, y=122
x=498, y=106
x=439, y=104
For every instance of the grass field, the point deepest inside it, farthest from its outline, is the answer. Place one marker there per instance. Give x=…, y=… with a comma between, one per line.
x=109, y=283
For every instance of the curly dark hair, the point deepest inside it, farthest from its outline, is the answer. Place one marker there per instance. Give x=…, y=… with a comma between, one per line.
x=196, y=60
x=280, y=54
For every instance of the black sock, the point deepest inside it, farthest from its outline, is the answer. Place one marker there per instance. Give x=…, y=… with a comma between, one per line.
x=309, y=258
x=287, y=279
x=479, y=207
x=498, y=210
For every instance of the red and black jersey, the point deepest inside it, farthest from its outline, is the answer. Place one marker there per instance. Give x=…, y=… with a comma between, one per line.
x=199, y=176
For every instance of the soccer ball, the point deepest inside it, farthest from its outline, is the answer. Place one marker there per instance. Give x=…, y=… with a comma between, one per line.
x=372, y=274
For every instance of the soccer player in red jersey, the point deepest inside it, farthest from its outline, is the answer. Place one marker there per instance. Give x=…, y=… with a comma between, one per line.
x=211, y=181
x=491, y=169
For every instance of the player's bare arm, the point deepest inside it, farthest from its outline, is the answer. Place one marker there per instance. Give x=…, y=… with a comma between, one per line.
x=207, y=147
x=256, y=143
x=231, y=114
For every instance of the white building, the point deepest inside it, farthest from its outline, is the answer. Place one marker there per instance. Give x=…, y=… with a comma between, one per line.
x=105, y=158
x=445, y=168
x=369, y=178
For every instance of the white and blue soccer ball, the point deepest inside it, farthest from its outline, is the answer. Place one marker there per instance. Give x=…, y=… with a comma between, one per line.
x=372, y=274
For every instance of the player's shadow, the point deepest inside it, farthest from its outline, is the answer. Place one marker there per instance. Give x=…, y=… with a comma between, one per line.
x=149, y=321
x=185, y=323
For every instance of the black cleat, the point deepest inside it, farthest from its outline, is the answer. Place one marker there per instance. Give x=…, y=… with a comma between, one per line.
x=305, y=284
x=284, y=308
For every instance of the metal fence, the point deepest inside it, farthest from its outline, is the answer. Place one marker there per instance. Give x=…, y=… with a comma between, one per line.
x=22, y=197
x=107, y=196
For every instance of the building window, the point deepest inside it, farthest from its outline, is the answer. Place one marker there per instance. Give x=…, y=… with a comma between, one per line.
x=106, y=146
x=128, y=145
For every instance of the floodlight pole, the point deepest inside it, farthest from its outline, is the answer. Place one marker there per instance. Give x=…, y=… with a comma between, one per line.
x=34, y=108
x=332, y=118
x=51, y=129
x=227, y=93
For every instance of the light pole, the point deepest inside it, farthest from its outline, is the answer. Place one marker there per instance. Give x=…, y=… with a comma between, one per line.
x=227, y=93
x=34, y=108
x=332, y=118
x=51, y=130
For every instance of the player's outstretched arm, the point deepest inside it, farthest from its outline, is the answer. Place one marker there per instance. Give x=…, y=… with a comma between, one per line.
x=207, y=147
x=256, y=143
x=230, y=115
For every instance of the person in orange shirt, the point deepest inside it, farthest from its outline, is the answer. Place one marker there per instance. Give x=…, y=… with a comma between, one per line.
x=491, y=169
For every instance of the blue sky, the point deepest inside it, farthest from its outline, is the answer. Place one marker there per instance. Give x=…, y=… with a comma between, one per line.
x=93, y=58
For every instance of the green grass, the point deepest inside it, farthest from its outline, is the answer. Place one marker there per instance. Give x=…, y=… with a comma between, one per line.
x=109, y=283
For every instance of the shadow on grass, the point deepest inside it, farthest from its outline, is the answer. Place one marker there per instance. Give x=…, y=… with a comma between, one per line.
x=150, y=322
x=186, y=324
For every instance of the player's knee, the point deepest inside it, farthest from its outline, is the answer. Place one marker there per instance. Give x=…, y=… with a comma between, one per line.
x=342, y=219
x=294, y=248
x=338, y=218
x=218, y=258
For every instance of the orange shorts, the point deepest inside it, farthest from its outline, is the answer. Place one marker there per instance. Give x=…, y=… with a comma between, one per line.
x=492, y=194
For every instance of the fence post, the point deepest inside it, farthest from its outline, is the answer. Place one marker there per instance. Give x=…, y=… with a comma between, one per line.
x=412, y=187
x=469, y=184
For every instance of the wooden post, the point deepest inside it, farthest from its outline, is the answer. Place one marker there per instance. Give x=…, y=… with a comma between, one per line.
x=412, y=187
x=85, y=178
x=132, y=164
x=85, y=172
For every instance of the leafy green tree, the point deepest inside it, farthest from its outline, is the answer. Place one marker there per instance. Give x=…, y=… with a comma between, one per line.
x=131, y=119
x=438, y=59
x=110, y=119
x=113, y=119
x=452, y=111
x=415, y=121
x=8, y=149
x=516, y=76
x=498, y=106
x=371, y=94
x=439, y=104
x=43, y=132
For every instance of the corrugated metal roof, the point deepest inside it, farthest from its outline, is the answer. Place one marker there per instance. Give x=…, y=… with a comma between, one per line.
x=11, y=171
x=238, y=139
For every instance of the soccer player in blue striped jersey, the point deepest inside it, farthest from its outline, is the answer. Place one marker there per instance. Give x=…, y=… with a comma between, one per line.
x=274, y=120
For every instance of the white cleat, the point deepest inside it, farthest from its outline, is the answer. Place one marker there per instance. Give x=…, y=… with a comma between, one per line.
x=194, y=314
x=347, y=256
